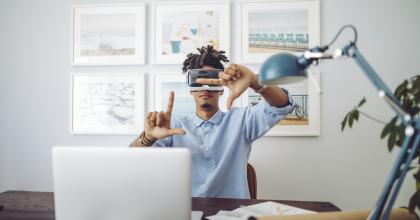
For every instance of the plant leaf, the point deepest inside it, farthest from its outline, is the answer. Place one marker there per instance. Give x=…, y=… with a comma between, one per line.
x=417, y=177
x=356, y=115
x=413, y=202
x=391, y=140
x=363, y=101
x=351, y=118
x=343, y=123
x=400, y=134
x=402, y=88
x=388, y=128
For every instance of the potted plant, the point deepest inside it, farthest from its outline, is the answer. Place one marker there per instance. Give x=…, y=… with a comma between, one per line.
x=408, y=92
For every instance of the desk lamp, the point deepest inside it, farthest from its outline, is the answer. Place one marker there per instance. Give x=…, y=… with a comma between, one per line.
x=284, y=68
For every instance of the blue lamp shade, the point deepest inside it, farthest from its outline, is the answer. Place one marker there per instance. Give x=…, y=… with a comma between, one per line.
x=282, y=68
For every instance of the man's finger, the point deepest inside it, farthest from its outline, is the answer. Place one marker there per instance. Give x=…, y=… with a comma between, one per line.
x=170, y=104
x=147, y=121
x=227, y=77
x=218, y=82
x=176, y=131
x=229, y=102
x=160, y=119
x=152, y=120
x=233, y=70
x=149, y=114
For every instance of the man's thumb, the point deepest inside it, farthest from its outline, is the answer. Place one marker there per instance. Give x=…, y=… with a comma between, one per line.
x=176, y=131
x=229, y=102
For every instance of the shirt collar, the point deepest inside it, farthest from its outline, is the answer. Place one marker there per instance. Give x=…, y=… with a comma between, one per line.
x=215, y=119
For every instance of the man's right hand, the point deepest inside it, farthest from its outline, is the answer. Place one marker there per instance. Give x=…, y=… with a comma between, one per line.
x=158, y=124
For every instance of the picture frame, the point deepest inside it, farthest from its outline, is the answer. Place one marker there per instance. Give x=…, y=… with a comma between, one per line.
x=182, y=27
x=305, y=119
x=109, y=34
x=184, y=104
x=107, y=103
x=270, y=27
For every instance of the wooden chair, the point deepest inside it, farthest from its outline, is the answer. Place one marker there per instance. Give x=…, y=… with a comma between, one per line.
x=252, y=181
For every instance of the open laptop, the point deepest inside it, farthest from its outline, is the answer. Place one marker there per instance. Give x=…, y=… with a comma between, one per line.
x=120, y=183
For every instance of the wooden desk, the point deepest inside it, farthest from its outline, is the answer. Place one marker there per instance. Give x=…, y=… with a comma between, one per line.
x=23, y=205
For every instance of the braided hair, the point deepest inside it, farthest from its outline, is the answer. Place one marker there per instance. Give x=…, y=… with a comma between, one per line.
x=208, y=57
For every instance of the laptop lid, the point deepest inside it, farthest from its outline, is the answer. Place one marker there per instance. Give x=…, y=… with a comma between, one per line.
x=120, y=183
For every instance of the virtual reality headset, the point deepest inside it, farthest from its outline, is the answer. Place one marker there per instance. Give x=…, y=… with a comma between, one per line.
x=194, y=74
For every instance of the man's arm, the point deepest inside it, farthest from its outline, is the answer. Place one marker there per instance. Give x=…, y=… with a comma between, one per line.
x=274, y=95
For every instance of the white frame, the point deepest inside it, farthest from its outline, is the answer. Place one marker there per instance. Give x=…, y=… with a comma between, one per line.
x=139, y=110
x=314, y=111
x=159, y=8
x=159, y=78
x=139, y=9
x=313, y=24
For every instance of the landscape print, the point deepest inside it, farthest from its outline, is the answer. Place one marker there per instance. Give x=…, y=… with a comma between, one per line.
x=107, y=35
x=288, y=33
x=107, y=104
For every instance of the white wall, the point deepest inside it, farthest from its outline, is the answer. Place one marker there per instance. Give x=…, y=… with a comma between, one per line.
x=348, y=169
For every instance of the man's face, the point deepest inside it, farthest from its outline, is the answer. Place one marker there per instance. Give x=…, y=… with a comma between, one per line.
x=206, y=99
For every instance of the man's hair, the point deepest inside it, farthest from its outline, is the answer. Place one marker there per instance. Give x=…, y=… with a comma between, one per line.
x=208, y=56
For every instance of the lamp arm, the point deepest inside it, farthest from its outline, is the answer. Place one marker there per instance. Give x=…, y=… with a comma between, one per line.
x=396, y=176
x=413, y=143
x=410, y=143
x=384, y=92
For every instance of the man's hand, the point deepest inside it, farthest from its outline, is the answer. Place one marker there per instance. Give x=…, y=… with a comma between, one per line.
x=236, y=77
x=158, y=124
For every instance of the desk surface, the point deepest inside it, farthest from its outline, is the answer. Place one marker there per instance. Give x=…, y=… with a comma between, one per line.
x=23, y=205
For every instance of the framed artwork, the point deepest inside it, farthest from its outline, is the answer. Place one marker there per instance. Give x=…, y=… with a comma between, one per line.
x=181, y=28
x=109, y=34
x=278, y=26
x=304, y=120
x=108, y=103
x=184, y=103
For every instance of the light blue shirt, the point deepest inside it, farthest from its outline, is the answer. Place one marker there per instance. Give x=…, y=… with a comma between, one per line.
x=220, y=147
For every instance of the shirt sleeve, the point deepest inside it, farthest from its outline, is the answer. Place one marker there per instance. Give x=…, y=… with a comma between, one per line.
x=262, y=117
x=166, y=142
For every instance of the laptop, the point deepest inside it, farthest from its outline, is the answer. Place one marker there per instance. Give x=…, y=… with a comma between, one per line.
x=120, y=183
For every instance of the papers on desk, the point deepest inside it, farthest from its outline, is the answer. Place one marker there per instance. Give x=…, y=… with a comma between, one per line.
x=196, y=215
x=261, y=209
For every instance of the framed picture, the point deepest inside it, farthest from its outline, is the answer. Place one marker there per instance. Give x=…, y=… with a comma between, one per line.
x=181, y=28
x=278, y=26
x=109, y=34
x=108, y=103
x=184, y=104
x=304, y=120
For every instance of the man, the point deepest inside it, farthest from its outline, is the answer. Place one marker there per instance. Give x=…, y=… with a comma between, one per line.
x=220, y=142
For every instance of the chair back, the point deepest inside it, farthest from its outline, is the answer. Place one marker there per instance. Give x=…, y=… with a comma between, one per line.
x=252, y=181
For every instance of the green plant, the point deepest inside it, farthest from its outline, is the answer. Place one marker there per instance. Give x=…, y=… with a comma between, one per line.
x=408, y=93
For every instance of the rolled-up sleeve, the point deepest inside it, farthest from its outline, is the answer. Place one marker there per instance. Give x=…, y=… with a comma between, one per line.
x=262, y=117
x=166, y=142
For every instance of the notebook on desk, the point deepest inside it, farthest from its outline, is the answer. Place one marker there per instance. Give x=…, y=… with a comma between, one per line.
x=114, y=183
